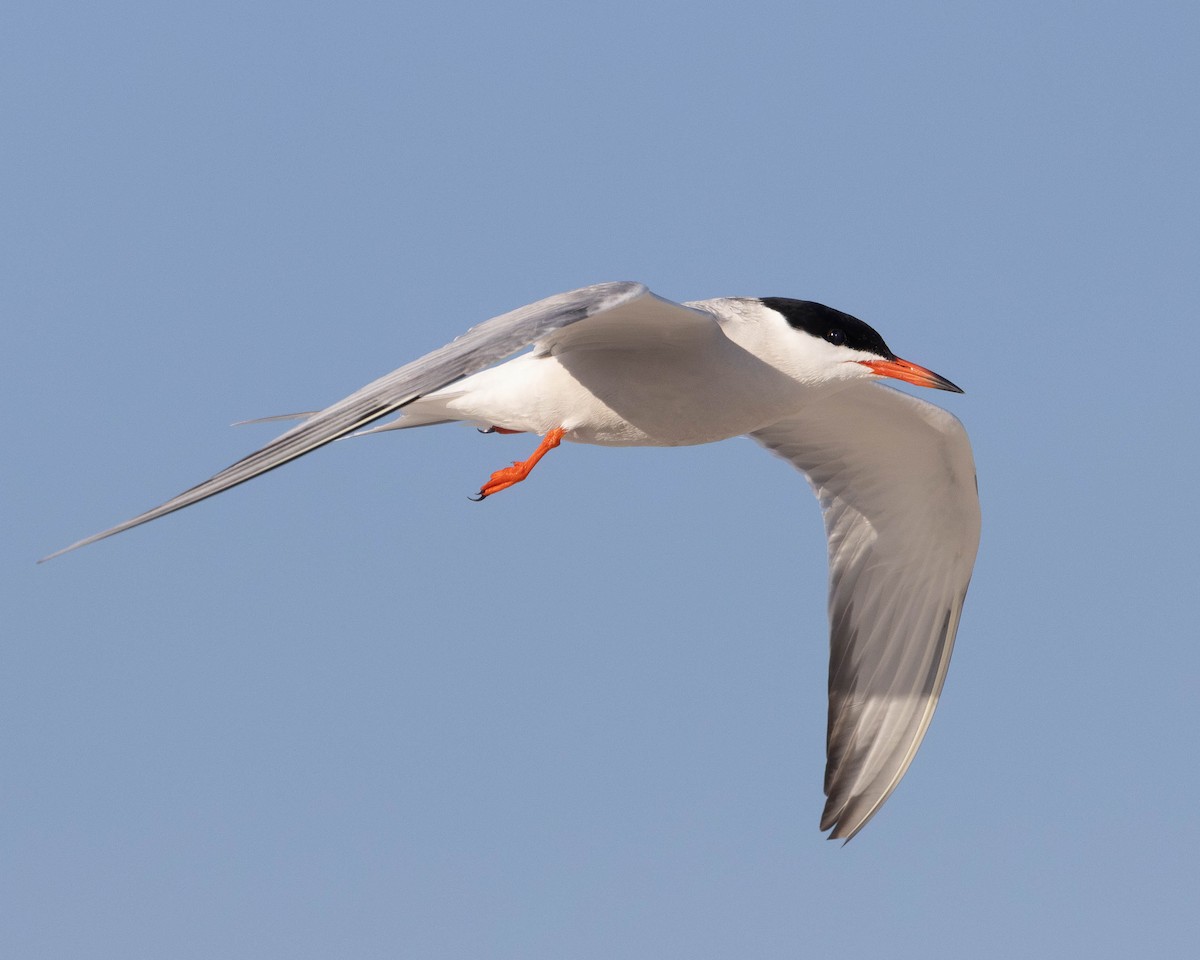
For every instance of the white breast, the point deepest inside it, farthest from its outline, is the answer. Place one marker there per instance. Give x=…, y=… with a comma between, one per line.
x=668, y=395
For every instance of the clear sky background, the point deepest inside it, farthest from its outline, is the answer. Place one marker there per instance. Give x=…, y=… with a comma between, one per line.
x=344, y=712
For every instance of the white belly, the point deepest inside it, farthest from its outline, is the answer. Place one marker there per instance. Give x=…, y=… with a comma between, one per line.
x=642, y=397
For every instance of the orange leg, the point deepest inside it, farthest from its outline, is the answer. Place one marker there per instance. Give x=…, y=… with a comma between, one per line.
x=503, y=479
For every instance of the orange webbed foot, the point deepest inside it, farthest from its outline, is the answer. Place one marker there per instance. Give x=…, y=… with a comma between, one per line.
x=503, y=479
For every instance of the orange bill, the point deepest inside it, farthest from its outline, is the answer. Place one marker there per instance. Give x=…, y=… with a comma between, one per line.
x=899, y=369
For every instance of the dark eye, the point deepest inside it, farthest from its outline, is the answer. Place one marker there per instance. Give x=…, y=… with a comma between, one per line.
x=836, y=336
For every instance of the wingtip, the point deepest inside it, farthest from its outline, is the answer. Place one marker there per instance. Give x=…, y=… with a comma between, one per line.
x=103, y=534
x=75, y=546
x=840, y=833
x=845, y=820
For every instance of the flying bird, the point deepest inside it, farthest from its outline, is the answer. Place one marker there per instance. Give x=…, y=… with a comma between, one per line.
x=613, y=364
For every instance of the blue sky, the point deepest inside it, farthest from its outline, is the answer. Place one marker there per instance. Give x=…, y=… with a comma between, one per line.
x=342, y=711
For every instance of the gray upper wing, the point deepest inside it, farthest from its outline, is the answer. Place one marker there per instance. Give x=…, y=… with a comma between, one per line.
x=896, y=482
x=479, y=347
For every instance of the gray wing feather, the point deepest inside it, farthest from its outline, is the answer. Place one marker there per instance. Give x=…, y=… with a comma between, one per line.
x=896, y=482
x=479, y=347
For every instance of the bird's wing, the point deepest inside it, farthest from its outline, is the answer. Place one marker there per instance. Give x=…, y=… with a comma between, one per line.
x=620, y=306
x=896, y=482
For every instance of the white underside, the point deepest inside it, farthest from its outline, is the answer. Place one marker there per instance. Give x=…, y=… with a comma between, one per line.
x=620, y=397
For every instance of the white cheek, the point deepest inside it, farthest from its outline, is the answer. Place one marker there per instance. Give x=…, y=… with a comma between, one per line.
x=856, y=370
x=831, y=362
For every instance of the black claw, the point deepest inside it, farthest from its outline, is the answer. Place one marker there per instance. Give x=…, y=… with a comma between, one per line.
x=488, y=430
x=479, y=497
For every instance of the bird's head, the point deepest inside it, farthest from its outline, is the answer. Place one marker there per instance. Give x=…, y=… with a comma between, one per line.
x=823, y=345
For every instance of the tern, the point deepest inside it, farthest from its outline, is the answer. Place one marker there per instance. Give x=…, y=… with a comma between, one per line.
x=614, y=364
